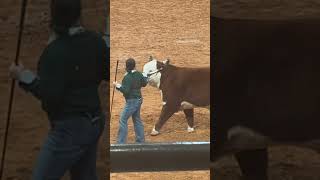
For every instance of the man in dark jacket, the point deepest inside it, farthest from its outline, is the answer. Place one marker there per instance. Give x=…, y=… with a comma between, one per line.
x=70, y=70
x=131, y=86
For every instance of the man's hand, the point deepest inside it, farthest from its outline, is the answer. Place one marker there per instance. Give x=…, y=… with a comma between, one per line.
x=145, y=74
x=15, y=71
x=116, y=84
x=18, y=72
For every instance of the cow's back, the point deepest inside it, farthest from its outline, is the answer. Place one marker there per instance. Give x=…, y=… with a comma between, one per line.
x=189, y=84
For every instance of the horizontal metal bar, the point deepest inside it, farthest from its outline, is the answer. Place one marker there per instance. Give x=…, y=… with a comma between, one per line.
x=179, y=156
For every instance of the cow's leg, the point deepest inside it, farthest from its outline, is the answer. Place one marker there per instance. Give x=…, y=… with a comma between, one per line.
x=189, y=116
x=166, y=112
x=253, y=164
x=219, y=138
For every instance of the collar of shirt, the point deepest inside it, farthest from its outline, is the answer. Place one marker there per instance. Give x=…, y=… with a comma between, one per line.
x=74, y=30
x=132, y=71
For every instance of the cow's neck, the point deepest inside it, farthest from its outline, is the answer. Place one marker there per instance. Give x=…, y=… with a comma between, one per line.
x=167, y=74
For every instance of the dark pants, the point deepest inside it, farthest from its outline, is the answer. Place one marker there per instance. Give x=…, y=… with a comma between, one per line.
x=71, y=145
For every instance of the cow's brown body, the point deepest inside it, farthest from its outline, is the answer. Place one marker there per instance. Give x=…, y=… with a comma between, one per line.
x=179, y=85
x=266, y=79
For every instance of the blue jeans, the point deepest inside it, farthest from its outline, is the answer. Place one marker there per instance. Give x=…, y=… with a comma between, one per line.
x=132, y=108
x=71, y=145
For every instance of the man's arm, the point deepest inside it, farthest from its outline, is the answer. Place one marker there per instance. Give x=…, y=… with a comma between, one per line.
x=50, y=84
x=144, y=80
x=105, y=59
x=125, y=86
x=29, y=82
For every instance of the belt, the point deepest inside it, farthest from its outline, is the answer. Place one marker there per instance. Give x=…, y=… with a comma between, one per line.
x=133, y=98
x=64, y=115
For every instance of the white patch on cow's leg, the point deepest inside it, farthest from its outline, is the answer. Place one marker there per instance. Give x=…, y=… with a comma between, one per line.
x=186, y=105
x=190, y=129
x=163, y=102
x=243, y=138
x=157, y=79
x=154, y=132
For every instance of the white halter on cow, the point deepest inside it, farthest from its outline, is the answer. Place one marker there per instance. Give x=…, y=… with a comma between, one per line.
x=150, y=69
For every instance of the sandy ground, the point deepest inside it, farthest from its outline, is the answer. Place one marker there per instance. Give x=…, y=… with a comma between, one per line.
x=287, y=163
x=175, y=29
x=29, y=124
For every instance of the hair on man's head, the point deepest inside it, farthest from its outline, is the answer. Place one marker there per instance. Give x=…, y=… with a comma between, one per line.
x=64, y=14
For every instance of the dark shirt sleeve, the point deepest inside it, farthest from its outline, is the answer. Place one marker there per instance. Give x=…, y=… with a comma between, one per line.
x=144, y=81
x=125, y=86
x=31, y=87
x=50, y=84
x=105, y=60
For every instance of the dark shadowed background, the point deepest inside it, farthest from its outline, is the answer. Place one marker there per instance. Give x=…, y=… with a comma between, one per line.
x=287, y=162
x=29, y=123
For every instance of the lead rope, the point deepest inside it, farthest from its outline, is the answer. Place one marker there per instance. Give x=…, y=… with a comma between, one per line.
x=154, y=72
x=6, y=132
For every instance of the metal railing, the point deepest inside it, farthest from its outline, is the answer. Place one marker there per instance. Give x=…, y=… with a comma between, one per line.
x=179, y=156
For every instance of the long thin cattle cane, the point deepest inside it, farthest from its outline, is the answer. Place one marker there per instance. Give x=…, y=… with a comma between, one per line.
x=115, y=79
x=107, y=127
x=6, y=132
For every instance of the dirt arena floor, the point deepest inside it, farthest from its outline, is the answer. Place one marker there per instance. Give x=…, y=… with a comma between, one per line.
x=286, y=162
x=174, y=29
x=29, y=124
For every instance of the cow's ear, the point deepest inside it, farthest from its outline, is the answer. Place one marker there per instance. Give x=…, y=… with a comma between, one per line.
x=166, y=62
x=150, y=58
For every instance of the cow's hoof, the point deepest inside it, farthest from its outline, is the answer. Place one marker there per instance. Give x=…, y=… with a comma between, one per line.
x=154, y=132
x=190, y=129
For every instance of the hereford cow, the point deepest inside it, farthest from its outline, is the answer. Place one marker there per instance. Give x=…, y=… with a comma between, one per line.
x=266, y=88
x=181, y=89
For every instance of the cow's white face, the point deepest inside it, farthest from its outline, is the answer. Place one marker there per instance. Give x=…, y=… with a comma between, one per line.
x=150, y=67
